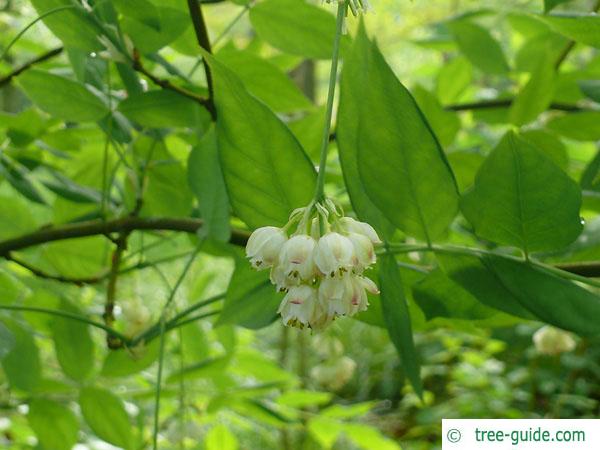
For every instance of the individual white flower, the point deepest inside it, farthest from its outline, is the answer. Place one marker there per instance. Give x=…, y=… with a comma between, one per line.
x=549, y=340
x=364, y=253
x=335, y=373
x=296, y=257
x=264, y=246
x=355, y=226
x=136, y=316
x=335, y=294
x=334, y=253
x=297, y=307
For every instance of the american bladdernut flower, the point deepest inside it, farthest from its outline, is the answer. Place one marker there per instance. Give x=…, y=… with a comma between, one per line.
x=552, y=341
x=264, y=245
x=320, y=266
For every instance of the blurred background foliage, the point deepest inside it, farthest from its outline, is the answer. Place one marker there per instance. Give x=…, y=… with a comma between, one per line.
x=259, y=385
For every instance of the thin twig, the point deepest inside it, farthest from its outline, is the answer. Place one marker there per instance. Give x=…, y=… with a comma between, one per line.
x=204, y=42
x=66, y=315
x=506, y=103
x=60, y=278
x=29, y=64
x=166, y=84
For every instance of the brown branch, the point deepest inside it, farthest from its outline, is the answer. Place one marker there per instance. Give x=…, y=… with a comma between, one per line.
x=588, y=269
x=506, y=103
x=19, y=70
x=111, y=289
x=204, y=42
x=166, y=84
x=100, y=227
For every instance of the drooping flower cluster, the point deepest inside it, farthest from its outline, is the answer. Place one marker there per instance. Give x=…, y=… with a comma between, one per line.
x=320, y=266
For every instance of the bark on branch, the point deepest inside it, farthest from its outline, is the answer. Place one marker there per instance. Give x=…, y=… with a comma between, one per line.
x=100, y=227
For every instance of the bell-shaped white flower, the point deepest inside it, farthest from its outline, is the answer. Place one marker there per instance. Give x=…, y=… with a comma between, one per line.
x=553, y=341
x=334, y=253
x=354, y=226
x=264, y=245
x=296, y=257
x=364, y=253
x=334, y=294
x=136, y=316
x=297, y=307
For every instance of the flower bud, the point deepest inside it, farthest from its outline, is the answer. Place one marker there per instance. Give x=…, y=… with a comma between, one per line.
x=296, y=257
x=334, y=254
x=264, y=245
x=549, y=340
x=354, y=226
x=297, y=307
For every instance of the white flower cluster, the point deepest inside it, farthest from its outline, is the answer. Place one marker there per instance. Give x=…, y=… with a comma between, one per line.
x=320, y=266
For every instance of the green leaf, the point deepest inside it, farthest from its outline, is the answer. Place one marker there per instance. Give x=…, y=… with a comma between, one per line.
x=591, y=89
x=251, y=300
x=553, y=299
x=549, y=144
x=7, y=341
x=582, y=28
x=549, y=5
x=105, y=413
x=10, y=289
x=220, y=438
x=16, y=217
x=445, y=124
x=20, y=179
x=122, y=363
x=267, y=173
x=295, y=27
x=304, y=398
x=206, y=180
x=522, y=198
x=415, y=190
x=478, y=45
x=163, y=109
x=438, y=296
x=55, y=425
x=469, y=272
x=590, y=178
x=453, y=79
x=347, y=134
x=535, y=97
x=265, y=81
x=165, y=193
x=581, y=126
x=151, y=27
x=22, y=364
x=62, y=97
x=73, y=345
x=397, y=319
x=73, y=26
x=70, y=190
